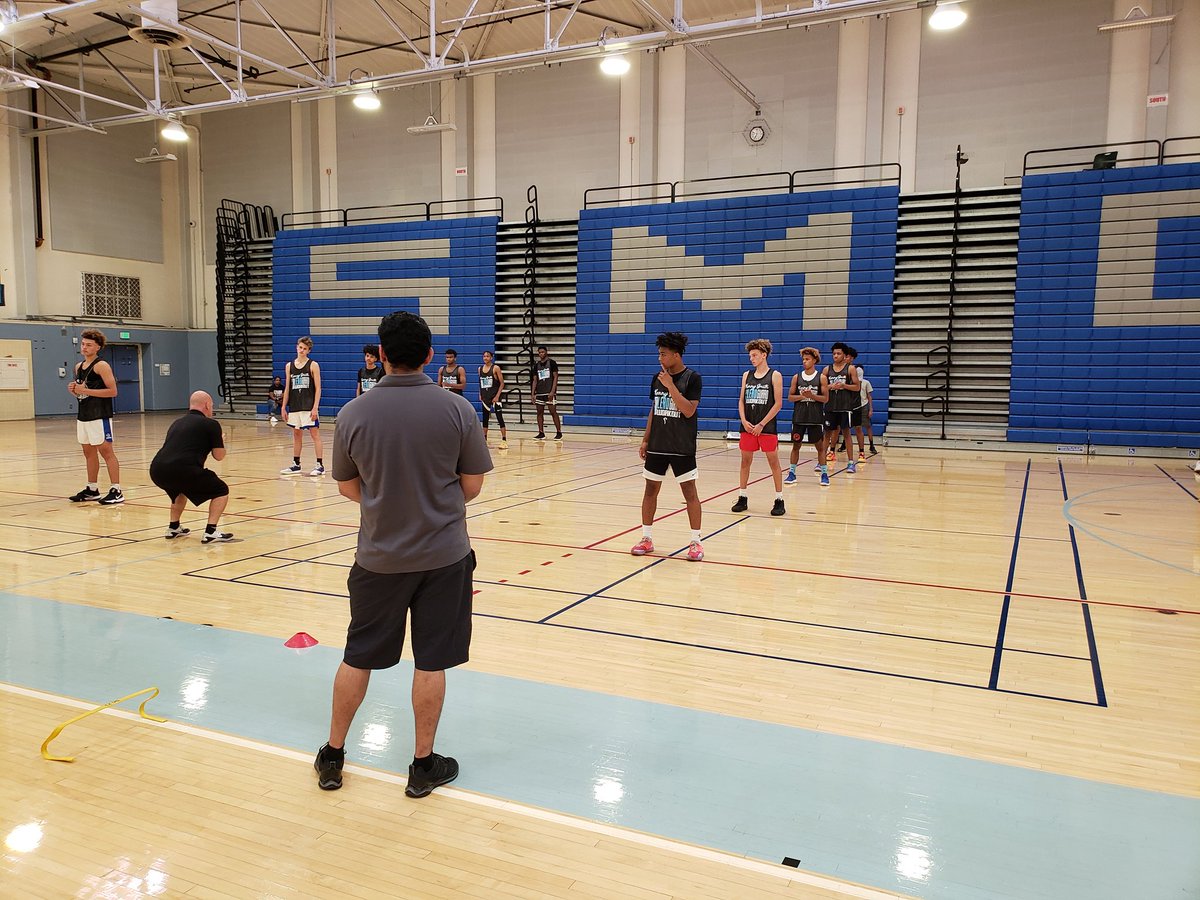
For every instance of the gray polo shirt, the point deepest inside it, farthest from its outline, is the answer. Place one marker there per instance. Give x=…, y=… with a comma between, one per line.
x=408, y=440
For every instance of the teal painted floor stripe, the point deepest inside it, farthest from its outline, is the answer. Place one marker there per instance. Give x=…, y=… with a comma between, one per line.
x=924, y=823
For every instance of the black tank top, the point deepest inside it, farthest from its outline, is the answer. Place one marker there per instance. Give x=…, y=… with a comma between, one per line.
x=449, y=376
x=92, y=408
x=487, y=385
x=759, y=398
x=807, y=412
x=302, y=392
x=843, y=401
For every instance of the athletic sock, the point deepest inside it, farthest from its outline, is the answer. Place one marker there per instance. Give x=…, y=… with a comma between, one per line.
x=210, y=528
x=296, y=460
x=696, y=535
x=742, y=493
x=174, y=526
x=116, y=487
x=646, y=529
x=824, y=469
x=424, y=763
x=779, y=495
x=320, y=462
x=792, y=469
x=93, y=486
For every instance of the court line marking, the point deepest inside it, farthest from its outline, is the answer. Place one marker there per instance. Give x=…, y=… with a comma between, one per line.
x=1068, y=512
x=1178, y=482
x=994, y=678
x=1093, y=652
x=634, y=574
x=651, y=841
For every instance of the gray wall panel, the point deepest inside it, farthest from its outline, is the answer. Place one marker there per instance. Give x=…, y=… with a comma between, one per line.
x=379, y=162
x=101, y=201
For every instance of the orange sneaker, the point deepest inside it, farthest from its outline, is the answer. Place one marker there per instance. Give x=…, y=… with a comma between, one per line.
x=642, y=547
x=695, y=552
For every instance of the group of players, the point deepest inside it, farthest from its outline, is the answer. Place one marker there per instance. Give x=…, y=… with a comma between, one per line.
x=829, y=403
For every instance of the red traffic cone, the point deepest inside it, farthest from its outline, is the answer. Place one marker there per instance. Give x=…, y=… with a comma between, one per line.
x=301, y=640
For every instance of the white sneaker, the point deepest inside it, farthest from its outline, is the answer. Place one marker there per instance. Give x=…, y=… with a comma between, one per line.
x=216, y=537
x=290, y=470
x=317, y=470
x=503, y=445
x=173, y=533
x=274, y=421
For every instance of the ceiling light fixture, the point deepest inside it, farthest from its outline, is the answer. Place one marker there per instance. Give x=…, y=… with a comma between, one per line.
x=364, y=95
x=174, y=131
x=947, y=16
x=367, y=99
x=1136, y=18
x=614, y=64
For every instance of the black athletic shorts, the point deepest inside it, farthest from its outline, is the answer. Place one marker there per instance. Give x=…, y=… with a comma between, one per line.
x=657, y=464
x=837, y=418
x=440, y=603
x=810, y=430
x=856, y=418
x=198, y=485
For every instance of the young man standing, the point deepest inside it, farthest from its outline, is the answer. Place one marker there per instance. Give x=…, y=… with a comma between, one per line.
x=843, y=400
x=808, y=391
x=371, y=372
x=452, y=376
x=670, y=440
x=411, y=456
x=545, y=391
x=94, y=386
x=302, y=404
x=491, y=383
x=178, y=468
x=759, y=403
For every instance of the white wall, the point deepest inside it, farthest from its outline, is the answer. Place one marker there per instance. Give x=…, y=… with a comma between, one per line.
x=557, y=127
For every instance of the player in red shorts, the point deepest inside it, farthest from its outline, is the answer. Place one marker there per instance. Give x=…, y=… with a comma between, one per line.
x=759, y=403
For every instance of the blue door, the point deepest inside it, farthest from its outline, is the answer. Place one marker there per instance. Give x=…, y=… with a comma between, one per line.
x=124, y=361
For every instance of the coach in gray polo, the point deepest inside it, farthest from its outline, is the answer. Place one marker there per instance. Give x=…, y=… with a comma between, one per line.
x=412, y=456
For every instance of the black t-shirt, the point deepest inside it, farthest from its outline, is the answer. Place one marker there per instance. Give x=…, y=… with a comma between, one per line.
x=841, y=401
x=672, y=433
x=368, y=378
x=302, y=392
x=189, y=440
x=543, y=375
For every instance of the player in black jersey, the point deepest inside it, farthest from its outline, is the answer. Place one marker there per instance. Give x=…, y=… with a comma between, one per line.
x=843, y=400
x=372, y=370
x=452, y=376
x=670, y=440
x=302, y=404
x=544, y=377
x=759, y=403
x=95, y=386
x=491, y=383
x=809, y=391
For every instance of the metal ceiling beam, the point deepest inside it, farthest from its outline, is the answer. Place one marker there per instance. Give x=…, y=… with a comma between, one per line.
x=52, y=86
x=287, y=37
x=129, y=84
x=738, y=85
x=69, y=125
x=454, y=37
x=403, y=34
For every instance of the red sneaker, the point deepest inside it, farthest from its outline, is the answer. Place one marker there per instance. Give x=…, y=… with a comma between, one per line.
x=642, y=547
x=695, y=552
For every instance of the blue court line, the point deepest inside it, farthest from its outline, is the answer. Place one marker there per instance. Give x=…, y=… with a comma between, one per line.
x=1069, y=506
x=1093, y=653
x=940, y=826
x=1178, y=482
x=662, y=559
x=994, y=680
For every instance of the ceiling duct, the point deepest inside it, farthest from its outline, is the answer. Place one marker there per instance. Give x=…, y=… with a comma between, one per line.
x=158, y=31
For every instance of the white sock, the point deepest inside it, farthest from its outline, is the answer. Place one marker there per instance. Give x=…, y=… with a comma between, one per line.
x=646, y=529
x=779, y=495
x=116, y=487
x=696, y=536
x=93, y=486
x=741, y=493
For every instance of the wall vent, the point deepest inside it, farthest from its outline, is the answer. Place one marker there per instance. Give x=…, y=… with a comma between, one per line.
x=110, y=296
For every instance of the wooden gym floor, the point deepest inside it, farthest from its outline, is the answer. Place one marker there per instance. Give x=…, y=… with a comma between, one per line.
x=1030, y=617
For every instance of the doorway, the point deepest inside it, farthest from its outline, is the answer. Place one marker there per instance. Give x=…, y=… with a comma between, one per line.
x=126, y=362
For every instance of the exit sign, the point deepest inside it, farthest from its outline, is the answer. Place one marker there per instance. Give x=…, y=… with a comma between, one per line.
x=124, y=335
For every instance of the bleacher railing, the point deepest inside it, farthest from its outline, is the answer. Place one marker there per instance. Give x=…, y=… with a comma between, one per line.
x=742, y=185
x=396, y=212
x=1088, y=156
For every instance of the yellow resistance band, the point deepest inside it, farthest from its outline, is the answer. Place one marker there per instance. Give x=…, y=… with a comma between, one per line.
x=152, y=691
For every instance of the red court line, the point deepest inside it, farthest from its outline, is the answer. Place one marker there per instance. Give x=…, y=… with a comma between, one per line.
x=668, y=515
x=927, y=584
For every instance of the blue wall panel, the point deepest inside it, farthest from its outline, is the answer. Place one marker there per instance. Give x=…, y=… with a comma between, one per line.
x=798, y=269
x=335, y=284
x=1106, y=333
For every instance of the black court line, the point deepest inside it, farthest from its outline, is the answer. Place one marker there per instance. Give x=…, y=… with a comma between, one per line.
x=1178, y=482
x=1093, y=653
x=661, y=559
x=994, y=680
x=819, y=664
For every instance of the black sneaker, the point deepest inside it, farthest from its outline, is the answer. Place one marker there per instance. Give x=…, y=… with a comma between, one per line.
x=740, y=506
x=329, y=768
x=777, y=509
x=873, y=450
x=216, y=537
x=112, y=498
x=422, y=783
x=84, y=495
x=558, y=437
x=539, y=436
x=173, y=533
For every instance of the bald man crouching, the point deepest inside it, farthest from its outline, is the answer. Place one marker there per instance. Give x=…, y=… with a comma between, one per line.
x=178, y=468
